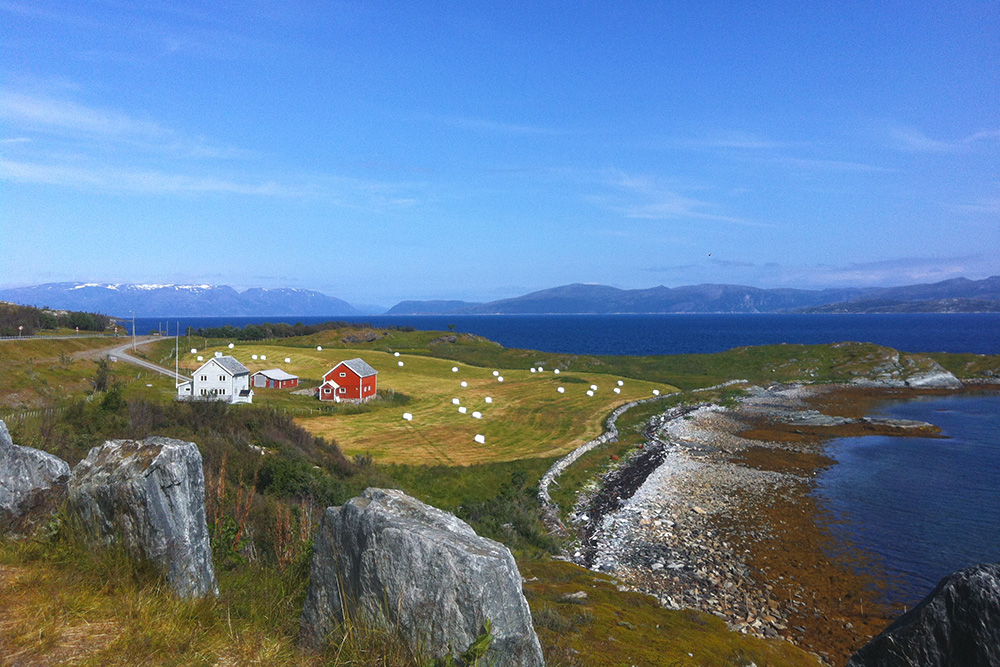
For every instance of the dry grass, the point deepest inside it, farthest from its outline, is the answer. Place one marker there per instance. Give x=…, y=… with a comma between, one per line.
x=61, y=606
x=38, y=373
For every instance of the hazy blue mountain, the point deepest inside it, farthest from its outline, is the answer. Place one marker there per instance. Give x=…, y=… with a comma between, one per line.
x=601, y=299
x=921, y=306
x=955, y=295
x=178, y=300
x=428, y=307
x=956, y=288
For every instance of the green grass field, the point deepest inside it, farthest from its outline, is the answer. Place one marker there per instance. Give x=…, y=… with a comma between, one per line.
x=528, y=416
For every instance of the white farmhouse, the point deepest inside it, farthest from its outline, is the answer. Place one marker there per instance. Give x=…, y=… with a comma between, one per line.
x=218, y=379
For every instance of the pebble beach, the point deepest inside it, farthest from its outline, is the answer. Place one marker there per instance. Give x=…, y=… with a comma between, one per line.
x=715, y=513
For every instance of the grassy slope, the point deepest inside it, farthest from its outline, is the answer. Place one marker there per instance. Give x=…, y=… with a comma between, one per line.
x=39, y=373
x=62, y=605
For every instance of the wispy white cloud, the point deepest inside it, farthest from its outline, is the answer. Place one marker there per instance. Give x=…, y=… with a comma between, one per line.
x=754, y=147
x=987, y=205
x=644, y=197
x=135, y=180
x=736, y=139
x=36, y=10
x=830, y=165
x=336, y=190
x=912, y=140
x=61, y=115
x=102, y=129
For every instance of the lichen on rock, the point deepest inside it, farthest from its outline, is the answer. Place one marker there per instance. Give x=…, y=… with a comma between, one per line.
x=32, y=484
x=150, y=494
x=392, y=560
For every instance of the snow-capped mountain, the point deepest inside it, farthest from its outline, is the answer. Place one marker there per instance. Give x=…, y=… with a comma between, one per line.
x=178, y=300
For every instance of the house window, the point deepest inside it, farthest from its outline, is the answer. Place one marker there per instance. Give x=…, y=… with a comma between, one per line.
x=204, y=378
x=343, y=390
x=343, y=375
x=222, y=378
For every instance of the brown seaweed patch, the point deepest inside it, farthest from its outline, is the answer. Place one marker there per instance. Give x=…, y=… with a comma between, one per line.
x=782, y=460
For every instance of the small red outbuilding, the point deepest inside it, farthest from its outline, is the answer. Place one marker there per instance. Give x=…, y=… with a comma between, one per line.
x=351, y=380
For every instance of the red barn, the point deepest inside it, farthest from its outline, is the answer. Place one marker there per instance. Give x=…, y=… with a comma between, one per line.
x=351, y=380
x=274, y=378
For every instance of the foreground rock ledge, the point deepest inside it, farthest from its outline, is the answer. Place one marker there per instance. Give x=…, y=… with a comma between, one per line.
x=387, y=558
x=957, y=625
x=151, y=495
x=32, y=484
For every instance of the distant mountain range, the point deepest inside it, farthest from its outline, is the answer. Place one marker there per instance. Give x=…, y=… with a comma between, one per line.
x=429, y=307
x=178, y=300
x=955, y=295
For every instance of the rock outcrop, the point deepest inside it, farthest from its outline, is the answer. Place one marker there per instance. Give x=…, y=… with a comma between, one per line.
x=150, y=494
x=957, y=625
x=909, y=371
x=390, y=559
x=32, y=484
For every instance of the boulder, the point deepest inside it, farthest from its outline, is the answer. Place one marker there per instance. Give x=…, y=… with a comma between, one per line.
x=32, y=484
x=957, y=625
x=391, y=560
x=934, y=378
x=149, y=494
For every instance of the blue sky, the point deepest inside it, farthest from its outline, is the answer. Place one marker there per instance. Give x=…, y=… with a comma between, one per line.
x=380, y=151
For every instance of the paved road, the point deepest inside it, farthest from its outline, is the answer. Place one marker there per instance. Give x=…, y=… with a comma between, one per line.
x=121, y=353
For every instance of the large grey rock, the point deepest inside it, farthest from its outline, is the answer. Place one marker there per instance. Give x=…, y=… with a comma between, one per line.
x=934, y=378
x=151, y=495
x=915, y=371
x=32, y=484
x=390, y=559
x=957, y=625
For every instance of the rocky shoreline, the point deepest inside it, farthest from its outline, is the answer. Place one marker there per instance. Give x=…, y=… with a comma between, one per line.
x=716, y=513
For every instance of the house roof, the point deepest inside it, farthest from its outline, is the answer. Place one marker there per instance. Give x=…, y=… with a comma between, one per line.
x=277, y=374
x=359, y=366
x=229, y=364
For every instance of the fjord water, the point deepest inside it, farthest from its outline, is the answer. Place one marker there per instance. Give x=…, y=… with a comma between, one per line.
x=923, y=507
x=673, y=334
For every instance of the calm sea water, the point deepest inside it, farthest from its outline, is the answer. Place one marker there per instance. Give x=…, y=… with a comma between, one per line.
x=676, y=334
x=924, y=507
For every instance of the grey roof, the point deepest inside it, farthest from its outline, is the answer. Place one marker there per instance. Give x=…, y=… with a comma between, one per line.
x=359, y=366
x=231, y=365
x=277, y=374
